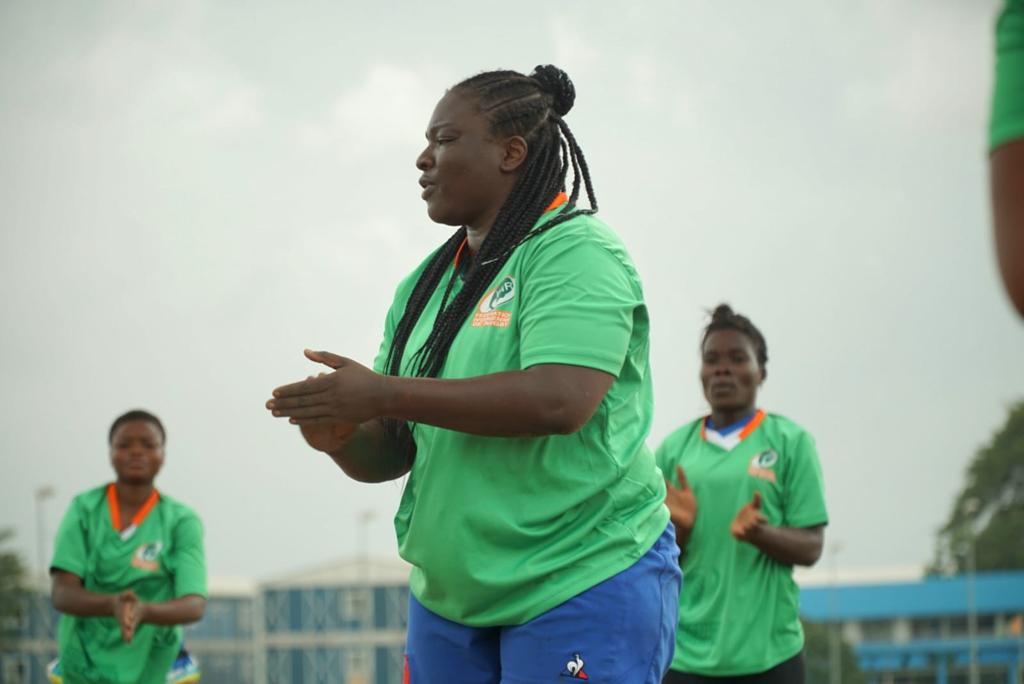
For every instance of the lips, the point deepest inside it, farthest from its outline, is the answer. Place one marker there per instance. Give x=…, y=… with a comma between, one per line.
x=428, y=187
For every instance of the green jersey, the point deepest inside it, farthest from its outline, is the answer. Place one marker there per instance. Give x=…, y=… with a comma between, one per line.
x=1007, y=120
x=739, y=609
x=161, y=560
x=500, y=530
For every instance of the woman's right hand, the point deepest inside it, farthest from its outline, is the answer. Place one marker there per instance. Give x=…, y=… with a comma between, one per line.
x=682, y=504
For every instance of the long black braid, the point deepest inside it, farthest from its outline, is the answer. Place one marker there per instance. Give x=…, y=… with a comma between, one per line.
x=528, y=106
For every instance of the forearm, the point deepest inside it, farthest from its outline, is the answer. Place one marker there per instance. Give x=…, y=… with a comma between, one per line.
x=80, y=602
x=371, y=455
x=177, y=611
x=789, y=545
x=524, y=403
x=1007, y=170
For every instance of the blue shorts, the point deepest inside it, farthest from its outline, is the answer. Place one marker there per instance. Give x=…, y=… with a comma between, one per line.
x=621, y=630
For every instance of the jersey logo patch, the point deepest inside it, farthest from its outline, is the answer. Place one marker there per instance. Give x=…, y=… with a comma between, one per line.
x=145, y=557
x=761, y=465
x=574, y=668
x=487, y=313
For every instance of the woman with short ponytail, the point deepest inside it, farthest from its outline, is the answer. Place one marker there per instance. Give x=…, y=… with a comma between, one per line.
x=513, y=388
x=746, y=498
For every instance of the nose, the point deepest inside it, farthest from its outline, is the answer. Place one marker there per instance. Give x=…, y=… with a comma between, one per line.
x=425, y=160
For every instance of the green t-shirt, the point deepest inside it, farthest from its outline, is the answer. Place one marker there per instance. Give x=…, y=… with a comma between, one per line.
x=739, y=609
x=162, y=560
x=1007, y=120
x=499, y=530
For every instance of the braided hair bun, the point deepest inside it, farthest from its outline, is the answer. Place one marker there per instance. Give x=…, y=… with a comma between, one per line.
x=722, y=313
x=558, y=85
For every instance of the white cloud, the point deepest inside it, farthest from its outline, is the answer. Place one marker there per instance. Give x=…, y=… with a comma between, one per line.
x=386, y=109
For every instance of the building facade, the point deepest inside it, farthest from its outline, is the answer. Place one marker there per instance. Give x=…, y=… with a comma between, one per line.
x=925, y=630
x=344, y=623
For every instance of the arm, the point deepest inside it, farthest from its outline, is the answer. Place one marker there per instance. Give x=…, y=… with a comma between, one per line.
x=366, y=453
x=548, y=399
x=682, y=508
x=545, y=399
x=790, y=545
x=1007, y=172
x=71, y=598
x=1006, y=142
x=179, y=611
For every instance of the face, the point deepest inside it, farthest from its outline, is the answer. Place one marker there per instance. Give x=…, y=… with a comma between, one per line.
x=466, y=173
x=729, y=371
x=137, y=452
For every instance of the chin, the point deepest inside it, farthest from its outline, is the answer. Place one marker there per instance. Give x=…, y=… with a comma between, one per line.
x=133, y=479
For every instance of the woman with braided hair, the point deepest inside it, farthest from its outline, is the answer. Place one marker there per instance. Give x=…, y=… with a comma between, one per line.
x=513, y=388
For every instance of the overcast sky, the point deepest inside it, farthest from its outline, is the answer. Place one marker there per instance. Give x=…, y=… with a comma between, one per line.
x=192, y=192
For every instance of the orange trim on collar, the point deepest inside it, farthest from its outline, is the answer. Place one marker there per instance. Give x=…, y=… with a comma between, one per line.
x=115, y=509
x=744, y=433
x=560, y=199
x=458, y=253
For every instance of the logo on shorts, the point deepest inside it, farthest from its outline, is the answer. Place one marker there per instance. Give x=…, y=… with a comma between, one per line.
x=762, y=464
x=488, y=313
x=574, y=668
x=145, y=557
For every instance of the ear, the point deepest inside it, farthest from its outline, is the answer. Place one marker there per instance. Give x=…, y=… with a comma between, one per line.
x=515, y=153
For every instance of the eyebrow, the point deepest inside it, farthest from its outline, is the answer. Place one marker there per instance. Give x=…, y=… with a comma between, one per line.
x=438, y=126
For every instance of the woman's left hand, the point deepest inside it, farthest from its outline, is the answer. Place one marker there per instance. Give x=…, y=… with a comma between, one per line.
x=351, y=394
x=749, y=520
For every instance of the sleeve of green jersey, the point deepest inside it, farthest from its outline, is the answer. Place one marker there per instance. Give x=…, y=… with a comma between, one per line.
x=385, y=344
x=189, y=558
x=1007, y=121
x=69, y=549
x=577, y=307
x=804, y=487
x=664, y=456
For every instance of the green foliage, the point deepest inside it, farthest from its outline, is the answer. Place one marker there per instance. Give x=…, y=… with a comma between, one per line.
x=12, y=580
x=817, y=638
x=991, y=504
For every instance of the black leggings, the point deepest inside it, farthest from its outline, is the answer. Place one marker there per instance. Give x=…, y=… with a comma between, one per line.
x=787, y=672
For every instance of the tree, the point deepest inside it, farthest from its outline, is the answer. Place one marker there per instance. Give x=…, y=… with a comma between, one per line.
x=817, y=636
x=990, y=506
x=12, y=591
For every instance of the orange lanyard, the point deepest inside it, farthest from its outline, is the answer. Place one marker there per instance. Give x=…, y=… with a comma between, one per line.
x=115, y=512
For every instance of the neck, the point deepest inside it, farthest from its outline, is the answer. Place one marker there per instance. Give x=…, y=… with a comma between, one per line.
x=726, y=417
x=476, y=234
x=133, y=494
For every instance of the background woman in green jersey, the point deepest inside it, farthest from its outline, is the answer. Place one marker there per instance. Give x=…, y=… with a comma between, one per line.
x=513, y=387
x=128, y=569
x=1006, y=142
x=747, y=501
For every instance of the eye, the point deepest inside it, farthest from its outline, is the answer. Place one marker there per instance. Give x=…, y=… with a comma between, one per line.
x=445, y=140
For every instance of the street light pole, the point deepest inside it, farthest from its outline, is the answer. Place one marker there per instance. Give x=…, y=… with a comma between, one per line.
x=834, y=653
x=41, y=494
x=970, y=508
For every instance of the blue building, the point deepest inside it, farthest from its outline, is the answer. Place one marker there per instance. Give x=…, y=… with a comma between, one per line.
x=918, y=631
x=344, y=623
x=340, y=624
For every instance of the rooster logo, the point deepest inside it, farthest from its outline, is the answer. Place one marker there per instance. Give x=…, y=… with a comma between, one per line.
x=574, y=668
